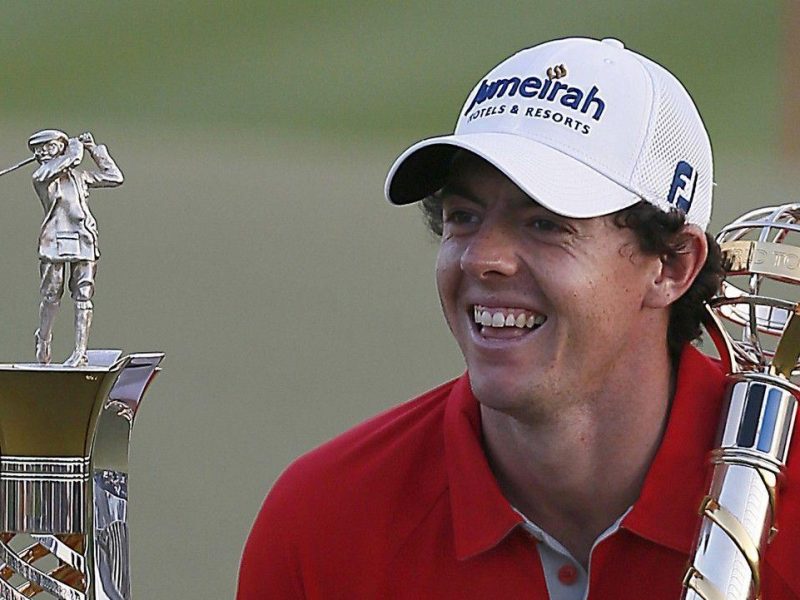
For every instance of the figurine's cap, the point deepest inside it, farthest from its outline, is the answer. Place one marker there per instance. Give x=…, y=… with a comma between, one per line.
x=46, y=135
x=584, y=127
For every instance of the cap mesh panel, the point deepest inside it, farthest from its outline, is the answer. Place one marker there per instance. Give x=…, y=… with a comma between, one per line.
x=678, y=134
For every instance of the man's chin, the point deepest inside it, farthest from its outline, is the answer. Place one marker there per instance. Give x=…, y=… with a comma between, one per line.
x=503, y=393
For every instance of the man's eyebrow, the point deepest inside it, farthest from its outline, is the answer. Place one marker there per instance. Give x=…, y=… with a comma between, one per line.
x=454, y=189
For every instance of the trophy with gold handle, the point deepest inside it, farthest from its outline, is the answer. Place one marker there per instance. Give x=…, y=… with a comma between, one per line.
x=739, y=513
x=65, y=428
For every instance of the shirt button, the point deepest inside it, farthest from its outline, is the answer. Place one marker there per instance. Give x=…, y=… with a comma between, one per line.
x=568, y=574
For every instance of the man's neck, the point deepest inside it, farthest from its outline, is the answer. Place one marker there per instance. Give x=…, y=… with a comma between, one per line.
x=576, y=472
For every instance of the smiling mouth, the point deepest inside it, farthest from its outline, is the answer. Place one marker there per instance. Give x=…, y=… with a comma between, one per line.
x=492, y=322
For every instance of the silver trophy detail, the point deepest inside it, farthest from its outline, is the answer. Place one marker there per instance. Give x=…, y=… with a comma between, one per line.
x=68, y=235
x=65, y=429
x=739, y=513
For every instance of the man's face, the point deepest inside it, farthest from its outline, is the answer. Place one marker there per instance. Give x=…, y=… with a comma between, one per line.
x=544, y=308
x=48, y=150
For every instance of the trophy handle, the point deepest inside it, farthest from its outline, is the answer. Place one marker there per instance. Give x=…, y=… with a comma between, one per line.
x=111, y=556
x=738, y=516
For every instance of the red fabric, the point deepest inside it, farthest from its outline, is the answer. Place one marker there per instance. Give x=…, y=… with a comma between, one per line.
x=405, y=506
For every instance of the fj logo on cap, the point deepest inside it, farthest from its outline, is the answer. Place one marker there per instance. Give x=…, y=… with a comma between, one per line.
x=556, y=72
x=684, y=181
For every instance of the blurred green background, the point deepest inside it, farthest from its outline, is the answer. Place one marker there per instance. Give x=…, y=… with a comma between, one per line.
x=251, y=241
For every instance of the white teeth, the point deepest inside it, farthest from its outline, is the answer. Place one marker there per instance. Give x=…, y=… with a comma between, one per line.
x=505, y=318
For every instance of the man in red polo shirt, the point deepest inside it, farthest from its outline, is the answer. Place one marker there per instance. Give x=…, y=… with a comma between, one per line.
x=569, y=461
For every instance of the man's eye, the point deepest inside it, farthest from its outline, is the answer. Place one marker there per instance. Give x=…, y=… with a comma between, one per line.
x=545, y=225
x=459, y=217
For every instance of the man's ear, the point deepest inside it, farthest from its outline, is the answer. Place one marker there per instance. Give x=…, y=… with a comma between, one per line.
x=677, y=273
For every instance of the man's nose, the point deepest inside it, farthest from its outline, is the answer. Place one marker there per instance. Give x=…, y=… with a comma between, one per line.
x=491, y=250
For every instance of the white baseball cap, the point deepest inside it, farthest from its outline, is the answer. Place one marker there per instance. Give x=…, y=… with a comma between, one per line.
x=584, y=127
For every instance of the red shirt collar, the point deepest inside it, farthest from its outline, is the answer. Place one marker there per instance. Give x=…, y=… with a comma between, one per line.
x=666, y=511
x=482, y=516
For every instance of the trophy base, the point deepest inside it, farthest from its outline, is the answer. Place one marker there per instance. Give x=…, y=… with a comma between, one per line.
x=64, y=435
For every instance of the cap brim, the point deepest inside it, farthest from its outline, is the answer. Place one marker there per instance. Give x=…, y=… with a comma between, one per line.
x=558, y=182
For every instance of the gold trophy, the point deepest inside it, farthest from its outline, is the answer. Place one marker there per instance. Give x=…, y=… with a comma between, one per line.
x=739, y=513
x=65, y=428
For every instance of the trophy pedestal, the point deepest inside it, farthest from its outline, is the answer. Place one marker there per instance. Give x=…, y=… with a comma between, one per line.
x=64, y=435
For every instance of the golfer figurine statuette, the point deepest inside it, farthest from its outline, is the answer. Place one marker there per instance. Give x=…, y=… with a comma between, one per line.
x=68, y=236
x=65, y=428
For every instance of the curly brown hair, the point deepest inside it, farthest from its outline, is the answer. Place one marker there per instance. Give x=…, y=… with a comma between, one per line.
x=658, y=234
